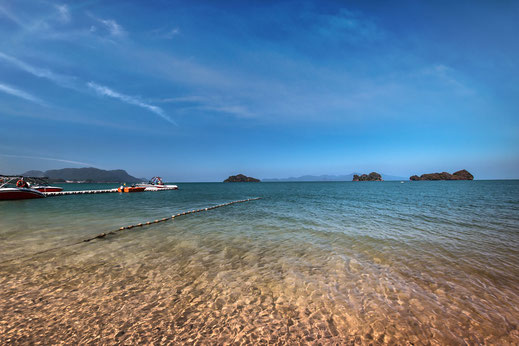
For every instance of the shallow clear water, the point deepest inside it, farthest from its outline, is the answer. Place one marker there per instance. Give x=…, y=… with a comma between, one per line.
x=368, y=262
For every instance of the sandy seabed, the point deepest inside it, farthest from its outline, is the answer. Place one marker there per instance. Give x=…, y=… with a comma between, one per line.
x=228, y=294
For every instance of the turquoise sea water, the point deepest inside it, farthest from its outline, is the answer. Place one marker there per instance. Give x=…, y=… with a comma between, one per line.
x=381, y=262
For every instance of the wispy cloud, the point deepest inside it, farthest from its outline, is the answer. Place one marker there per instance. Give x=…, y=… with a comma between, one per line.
x=351, y=26
x=62, y=80
x=114, y=28
x=173, y=32
x=447, y=75
x=211, y=104
x=63, y=12
x=105, y=91
x=4, y=12
x=20, y=93
x=238, y=111
x=184, y=99
x=79, y=163
x=34, y=25
x=72, y=83
x=165, y=32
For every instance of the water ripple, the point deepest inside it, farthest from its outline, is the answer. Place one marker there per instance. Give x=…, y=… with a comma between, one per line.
x=424, y=263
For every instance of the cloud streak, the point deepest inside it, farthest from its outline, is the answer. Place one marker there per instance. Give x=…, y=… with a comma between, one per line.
x=105, y=91
x=11, y=16
x=72, y=83
x=62, y=80
x=211, y=104
x=79, y=163
x=19, y=93
x=112, y=26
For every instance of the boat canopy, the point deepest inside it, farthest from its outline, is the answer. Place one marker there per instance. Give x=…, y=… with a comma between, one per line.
x=7, y=180
x=156, y=181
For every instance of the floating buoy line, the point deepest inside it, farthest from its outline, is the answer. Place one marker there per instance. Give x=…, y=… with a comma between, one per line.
x=139, y=225
x=88, y=192
x=172, y=217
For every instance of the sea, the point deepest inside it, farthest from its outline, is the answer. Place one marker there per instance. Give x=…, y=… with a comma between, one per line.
x=426, y=262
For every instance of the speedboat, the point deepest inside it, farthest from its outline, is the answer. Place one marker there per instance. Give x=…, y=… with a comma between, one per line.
x=41, y=184
x=11, y=193
x=155, y=184
x=46, y=188
x=18, y=187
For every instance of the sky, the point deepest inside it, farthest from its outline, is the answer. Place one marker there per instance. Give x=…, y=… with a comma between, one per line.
x=197, y=91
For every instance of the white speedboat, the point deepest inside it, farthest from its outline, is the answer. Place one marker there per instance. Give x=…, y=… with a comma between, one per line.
x=155, y=184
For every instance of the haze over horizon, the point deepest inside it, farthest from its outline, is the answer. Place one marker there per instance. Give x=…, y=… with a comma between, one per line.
x=200, y=91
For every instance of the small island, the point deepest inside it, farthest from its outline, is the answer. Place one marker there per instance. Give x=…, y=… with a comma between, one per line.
x=373, y=176
x=459, y=175
x=240, y=178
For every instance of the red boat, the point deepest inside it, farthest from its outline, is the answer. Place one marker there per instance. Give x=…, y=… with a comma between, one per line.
x=45, y=188
x=11, y=193
x=18, y=187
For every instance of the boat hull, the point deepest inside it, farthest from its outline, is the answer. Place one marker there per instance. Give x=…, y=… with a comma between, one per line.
x=131, y=189
x=19, y=193
x=152, y=187
x=48, y=188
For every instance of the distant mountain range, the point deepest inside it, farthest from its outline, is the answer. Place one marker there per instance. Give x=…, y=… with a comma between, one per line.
x=121, y=176
x=86, y=174
x=346, y=177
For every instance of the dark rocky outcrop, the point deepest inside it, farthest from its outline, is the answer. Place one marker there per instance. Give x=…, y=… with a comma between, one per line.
x=373, y=176
x=462, y=175
x=459, y=175
x=240, y=178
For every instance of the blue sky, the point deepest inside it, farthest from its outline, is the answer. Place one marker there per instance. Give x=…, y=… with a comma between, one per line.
x=196, y=91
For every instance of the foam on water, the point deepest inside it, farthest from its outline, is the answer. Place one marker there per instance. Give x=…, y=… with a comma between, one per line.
x=423, y=262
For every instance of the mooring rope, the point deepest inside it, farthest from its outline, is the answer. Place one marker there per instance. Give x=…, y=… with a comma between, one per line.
x=148, y=223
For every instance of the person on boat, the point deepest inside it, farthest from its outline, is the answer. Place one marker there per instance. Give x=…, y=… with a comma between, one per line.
x=22, y=183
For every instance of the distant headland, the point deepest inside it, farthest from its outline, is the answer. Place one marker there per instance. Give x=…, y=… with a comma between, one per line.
x=373, y=176
x=87, y=175
x=240, y=178
x=459, y=175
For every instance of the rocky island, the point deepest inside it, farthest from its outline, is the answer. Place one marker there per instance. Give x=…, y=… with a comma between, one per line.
x=373, y=176
x=240, y=178
x=459, y=175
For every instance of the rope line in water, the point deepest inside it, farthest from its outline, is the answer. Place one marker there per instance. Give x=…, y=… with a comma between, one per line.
x=172, y=217
x=148, y=223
